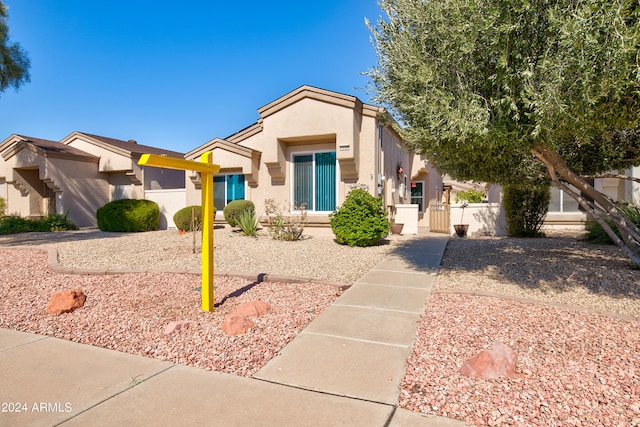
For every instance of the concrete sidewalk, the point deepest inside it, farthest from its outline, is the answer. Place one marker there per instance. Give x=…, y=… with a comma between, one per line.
x=343, y=369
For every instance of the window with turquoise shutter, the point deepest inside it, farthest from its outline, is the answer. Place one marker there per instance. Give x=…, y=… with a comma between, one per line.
x=235, y=187
x=325, y=181
x=227, y=188
x=314, y=181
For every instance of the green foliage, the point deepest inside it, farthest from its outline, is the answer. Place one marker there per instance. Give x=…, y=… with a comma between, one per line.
x=57, y=222
x=360, y=221
x=233, y=210
x=3, y=207
x=525, y=207
x=129, y=215
x=14, y=68
x=189, y=218
x=595, y=232
x=471, y=196
x=478, y=84
x=504, y=91
x=12, y=224
x=248, y=222
x=281, y=226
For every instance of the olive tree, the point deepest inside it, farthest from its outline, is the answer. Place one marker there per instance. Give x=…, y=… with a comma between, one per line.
x=508, y=90
x=14, y=61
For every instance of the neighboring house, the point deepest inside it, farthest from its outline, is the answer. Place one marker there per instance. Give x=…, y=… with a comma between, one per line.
x=308, y=149
x=80, y=174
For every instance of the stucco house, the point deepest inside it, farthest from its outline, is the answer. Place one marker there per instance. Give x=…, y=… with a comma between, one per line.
x=78, y=175
x=309, y=148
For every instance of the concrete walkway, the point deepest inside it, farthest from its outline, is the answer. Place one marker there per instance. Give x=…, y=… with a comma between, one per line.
x=344, y=369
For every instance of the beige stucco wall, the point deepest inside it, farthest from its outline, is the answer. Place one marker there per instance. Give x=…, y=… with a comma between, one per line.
x=110, y=160
x=364, y=150
x=78, y=188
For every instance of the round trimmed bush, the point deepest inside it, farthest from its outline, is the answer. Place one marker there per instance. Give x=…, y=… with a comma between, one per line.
x=183, y=217
x=129, y=215
x=360, y=221
x=233, y=210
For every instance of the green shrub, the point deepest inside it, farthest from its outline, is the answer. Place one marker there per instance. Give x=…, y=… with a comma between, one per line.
x=595, y=232
x=525, y=206
x=284, y=226
x=248, y=222
x=471, y=196
x=57, y=222
x=3, y=207
x=183, y=218
x=13, y=224
x=360, y=221
x=129, y=215
x=233, y=210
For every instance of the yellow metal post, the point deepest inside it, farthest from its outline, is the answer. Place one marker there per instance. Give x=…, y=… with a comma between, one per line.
x=207, y=235
x=206, y=169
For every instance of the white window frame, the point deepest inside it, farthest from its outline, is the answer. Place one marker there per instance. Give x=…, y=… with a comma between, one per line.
x=561, y=203
x=424, y=186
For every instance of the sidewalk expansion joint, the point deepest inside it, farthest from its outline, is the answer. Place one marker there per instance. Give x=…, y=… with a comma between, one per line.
x=326, y=393
x=356, y=339
x=403, y=271
x=370, y=307
x=131, y=385
x=25, y=343
x=423, y=288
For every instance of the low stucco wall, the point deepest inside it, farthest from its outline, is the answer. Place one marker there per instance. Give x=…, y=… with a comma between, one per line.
x=485, y=218
x=169, y=202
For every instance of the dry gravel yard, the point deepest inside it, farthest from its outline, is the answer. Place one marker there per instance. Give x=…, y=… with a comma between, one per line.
x=575, y=367
x=570, y=310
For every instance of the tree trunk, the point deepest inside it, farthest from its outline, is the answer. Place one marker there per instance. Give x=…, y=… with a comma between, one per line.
x=601, y=205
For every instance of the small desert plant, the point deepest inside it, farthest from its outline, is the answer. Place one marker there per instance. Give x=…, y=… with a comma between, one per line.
x=233, y=210
x=129, y=215
x=595, y=232
x=360, y=221
x=281, y=226
x=57, y=222
x=471, y=196
x=189, y=218
x=248, y=223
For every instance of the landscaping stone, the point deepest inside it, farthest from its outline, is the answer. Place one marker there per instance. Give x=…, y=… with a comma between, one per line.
x=236, y=324
x=498, y=362
x=238, y=321
x=66, y=302
x=178, y=326
x=252, y=309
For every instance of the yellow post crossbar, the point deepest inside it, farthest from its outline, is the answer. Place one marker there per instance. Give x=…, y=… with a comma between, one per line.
x=206, y=169
x=174, y=163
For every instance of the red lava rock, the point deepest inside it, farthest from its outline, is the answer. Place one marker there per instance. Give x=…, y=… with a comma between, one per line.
x=498, y=362
x=252, y=309
x=177, y=326
x=235, y=324
x=66, y=302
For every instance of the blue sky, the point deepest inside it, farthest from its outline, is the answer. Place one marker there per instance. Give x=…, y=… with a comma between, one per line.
x=176, y=74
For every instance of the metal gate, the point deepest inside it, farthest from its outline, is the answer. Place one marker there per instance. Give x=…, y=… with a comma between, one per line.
x=440, y=218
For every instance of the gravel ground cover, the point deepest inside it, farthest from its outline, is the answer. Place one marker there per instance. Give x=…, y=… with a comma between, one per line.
x=575, y=367
x=571, y=310
x=317, y=256
x=129, y=312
